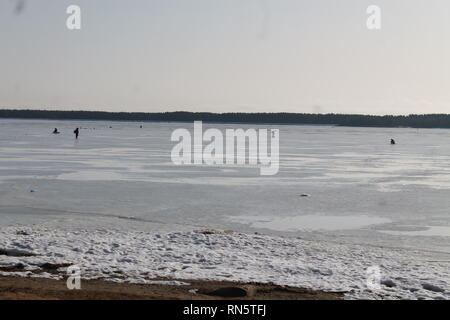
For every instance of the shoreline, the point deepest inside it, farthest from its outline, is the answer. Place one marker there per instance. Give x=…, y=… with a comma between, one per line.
x=26, y=288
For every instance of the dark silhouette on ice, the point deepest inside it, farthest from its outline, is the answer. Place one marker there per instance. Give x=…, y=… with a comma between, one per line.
x=392, y=141
x=56, y=131
x=77, y=132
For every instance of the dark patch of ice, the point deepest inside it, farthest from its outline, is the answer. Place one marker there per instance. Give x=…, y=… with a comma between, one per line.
x=432, y=287
x=16, y=253
x=388, y=283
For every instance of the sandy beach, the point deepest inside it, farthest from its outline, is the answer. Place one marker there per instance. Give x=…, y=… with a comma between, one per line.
x=15, y=288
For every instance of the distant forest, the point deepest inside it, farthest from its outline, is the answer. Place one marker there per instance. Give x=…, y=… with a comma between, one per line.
x=351, y=120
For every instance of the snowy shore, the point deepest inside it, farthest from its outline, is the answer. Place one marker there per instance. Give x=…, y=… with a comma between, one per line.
x=139, y=257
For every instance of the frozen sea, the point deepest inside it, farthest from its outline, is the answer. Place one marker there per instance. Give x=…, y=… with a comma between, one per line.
x=360, y=188
x=117, y=176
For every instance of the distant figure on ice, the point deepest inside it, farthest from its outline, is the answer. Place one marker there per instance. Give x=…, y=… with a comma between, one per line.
x=392, y=141
x=56, y=131
x=77, y=132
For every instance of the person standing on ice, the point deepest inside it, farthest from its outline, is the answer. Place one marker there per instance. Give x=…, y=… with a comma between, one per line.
x=77, y=132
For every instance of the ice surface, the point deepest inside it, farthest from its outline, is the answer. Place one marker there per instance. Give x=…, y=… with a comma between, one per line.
x=310, y=222
x=424, y=232
x=126, y=171
x=362, y=191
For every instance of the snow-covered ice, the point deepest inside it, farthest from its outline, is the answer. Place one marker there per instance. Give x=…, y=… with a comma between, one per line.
x=141, y=257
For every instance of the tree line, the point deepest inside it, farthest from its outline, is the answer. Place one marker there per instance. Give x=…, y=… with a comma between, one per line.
x=351, y=120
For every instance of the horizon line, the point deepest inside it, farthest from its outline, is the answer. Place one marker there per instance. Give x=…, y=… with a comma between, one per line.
x=226, y=112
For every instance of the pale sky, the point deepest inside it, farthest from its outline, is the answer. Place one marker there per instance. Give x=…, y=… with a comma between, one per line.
x=227, y=56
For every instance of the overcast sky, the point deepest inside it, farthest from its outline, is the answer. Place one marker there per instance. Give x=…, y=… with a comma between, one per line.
x=227, y=55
